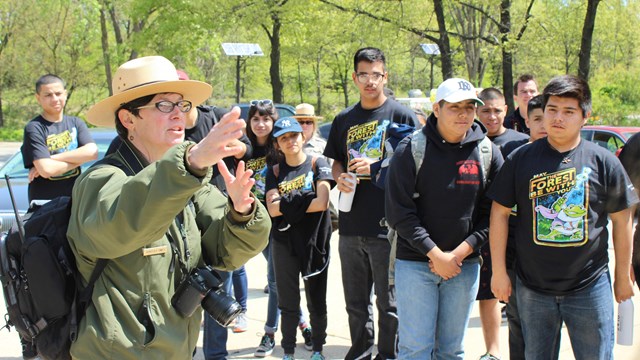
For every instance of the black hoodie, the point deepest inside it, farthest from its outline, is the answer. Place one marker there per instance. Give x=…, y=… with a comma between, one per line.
x=452, y=206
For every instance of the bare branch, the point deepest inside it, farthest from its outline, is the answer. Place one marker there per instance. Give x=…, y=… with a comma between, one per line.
x=527, y=17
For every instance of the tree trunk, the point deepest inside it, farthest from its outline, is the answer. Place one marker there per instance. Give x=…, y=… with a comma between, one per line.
x=507, y=56
x=443, y=41
x=1, y=113
x=274, y=70
x=587, y=36
x=300, y=85
x=318, y=82
x=105, y=48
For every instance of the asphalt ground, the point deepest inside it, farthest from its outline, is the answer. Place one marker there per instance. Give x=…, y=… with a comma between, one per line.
x=242, y=345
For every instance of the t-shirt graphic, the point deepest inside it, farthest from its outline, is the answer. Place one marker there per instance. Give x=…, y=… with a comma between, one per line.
x=62, y=142
x=259, y=167
x=560, y=203
x=367, y=141
x=302, y=182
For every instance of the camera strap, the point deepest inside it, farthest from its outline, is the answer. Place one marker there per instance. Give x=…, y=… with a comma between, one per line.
x=179, y=221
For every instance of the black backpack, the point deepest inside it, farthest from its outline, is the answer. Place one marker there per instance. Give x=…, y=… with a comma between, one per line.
x=42, y=287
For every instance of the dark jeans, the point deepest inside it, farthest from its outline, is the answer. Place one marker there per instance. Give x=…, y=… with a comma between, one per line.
x=240, y=287
x=288, y=268
x=365, y=269
x=516, y=341
x=214, y=343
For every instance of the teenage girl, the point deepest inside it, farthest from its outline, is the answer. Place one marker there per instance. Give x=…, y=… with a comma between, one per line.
x=298, y=201
x=261, y=117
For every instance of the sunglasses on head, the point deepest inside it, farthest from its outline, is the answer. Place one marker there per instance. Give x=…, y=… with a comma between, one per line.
x=265, y=103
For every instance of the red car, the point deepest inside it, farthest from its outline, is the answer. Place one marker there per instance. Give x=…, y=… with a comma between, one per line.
x=611, y=138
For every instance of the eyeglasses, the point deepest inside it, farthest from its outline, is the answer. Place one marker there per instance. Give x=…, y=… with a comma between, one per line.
x=166, y=106
x=306, y=122
x=265, y=103
x=363, y=78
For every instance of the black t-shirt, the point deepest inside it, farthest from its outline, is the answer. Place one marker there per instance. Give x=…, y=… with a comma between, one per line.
x=303, y=178
x=42, y=139
x=258, y=163
x=516, y=122
x=506, y=138
x=563, y=200
x=208, y=116
x=358, y=132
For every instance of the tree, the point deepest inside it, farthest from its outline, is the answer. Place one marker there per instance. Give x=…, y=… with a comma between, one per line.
x=587, y=36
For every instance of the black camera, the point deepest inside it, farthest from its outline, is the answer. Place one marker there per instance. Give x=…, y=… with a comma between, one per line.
x=203, y=287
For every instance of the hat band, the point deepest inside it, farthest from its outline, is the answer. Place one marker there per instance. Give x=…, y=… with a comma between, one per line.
x=307, y=115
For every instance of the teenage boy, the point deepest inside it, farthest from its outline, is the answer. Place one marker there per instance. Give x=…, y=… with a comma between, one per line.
x=535, y=124
x=441, y=216
x=491, y=114
x=564, y=188
x=54, y=145
x=630, y=159
x=523, y=90
x=356, y=140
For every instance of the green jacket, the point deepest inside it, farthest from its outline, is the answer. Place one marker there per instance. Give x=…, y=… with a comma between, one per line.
x=117, y=217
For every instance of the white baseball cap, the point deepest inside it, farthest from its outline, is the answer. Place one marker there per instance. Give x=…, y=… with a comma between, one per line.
x=455, y=90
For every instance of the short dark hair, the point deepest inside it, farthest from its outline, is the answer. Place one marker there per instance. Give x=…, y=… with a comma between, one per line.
x=523, y=78
x=49, y=79
x=132, y=106
x=490, y=94
x=369, y=54
x=535, y=103
x=569, y=86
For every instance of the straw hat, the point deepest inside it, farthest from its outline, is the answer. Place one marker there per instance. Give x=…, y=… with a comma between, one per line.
x=141, y=77
x=305, y=111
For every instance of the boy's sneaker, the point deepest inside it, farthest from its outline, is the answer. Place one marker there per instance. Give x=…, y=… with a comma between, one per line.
x=288, y=357
x=241, y=323
x=266, y=346
x=488, y=356
x=306, y=334
x=317, y=355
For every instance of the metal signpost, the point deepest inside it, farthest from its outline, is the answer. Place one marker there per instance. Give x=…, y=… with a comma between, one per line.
x=432, y=50
x=239, y=50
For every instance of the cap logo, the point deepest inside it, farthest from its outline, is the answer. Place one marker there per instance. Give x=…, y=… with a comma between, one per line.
x=464, y=85
x=286, y=123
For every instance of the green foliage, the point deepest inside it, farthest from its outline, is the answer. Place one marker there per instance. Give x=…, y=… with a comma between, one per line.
x=317, y=46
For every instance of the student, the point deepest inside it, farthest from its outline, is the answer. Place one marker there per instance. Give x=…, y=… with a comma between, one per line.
x=491, y=114
x=524, y=89
x=261, y=118
x=630, y=159
x=535, y=115
x=54, y=145
x=564, y=189
x=298, y=200
x=441, y=230
x=356, y=140
x=160, y=224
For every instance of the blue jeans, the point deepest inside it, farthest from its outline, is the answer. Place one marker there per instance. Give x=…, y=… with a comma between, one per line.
x=433, y=313
x=587, y=313
x=365, y=269
x=240, y=287
x=273, y=312
x=214, y=343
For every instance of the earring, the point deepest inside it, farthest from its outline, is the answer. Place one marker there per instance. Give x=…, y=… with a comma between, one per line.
x=130, y=137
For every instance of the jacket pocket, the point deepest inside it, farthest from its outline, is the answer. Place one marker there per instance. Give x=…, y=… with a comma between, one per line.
x=144, y=317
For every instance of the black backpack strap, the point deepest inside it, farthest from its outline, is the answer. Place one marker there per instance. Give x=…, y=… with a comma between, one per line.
x=78, y=310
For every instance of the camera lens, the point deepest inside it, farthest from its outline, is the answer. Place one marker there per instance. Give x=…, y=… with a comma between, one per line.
x=222, y=307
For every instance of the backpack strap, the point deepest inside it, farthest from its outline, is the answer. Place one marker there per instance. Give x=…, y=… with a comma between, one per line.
x=418, y=149
x=78, y=310
x=486, y=153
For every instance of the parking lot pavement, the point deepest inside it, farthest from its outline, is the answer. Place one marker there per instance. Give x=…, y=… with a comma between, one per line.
x=7, y=149
x=242, y=345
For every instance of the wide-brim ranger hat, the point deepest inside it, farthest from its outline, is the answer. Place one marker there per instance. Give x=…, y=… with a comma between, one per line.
x=455, y=90
x=141, y=77
x=286, y=125
x=306, y=111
